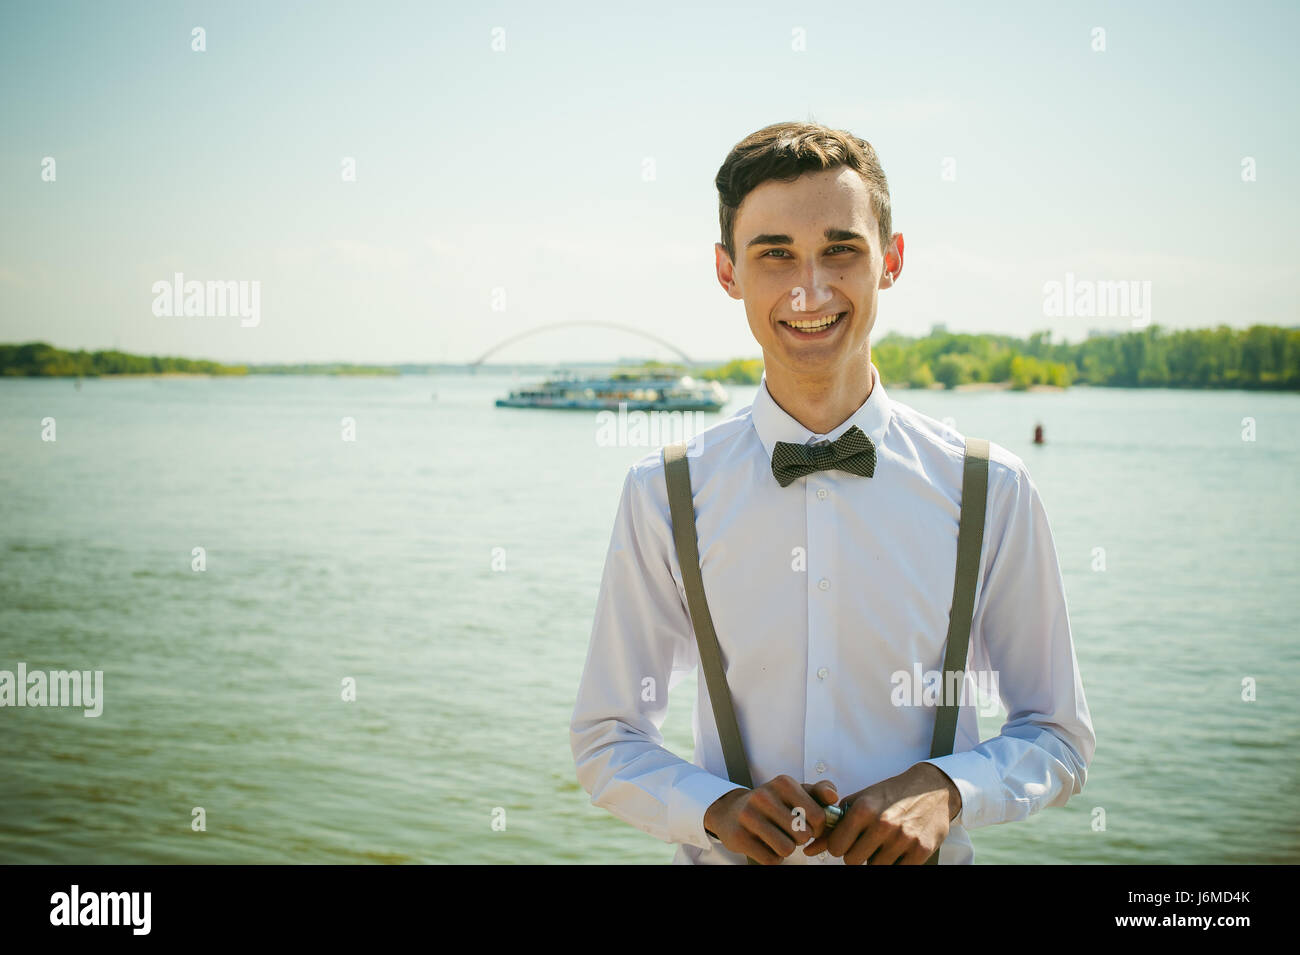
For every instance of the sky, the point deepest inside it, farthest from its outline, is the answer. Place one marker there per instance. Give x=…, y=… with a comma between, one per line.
x=522, y=164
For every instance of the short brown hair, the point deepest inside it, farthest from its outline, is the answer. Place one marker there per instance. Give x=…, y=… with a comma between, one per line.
x=784, y=151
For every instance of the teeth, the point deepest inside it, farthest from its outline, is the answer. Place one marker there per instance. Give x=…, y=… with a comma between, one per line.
x=815, y=323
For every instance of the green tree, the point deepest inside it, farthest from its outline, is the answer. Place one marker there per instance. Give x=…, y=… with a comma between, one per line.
x=951, y=370
x=922, y=376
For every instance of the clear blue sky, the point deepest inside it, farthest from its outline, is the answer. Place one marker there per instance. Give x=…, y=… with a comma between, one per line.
x=522, y=169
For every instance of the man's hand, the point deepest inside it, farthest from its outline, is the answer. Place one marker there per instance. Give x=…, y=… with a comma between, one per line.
x=769, y=822
x=898, y=821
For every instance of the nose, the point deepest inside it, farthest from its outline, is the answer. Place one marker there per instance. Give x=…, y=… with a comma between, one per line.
x=814, y=289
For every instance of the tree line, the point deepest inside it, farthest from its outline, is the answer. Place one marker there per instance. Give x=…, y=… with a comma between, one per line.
x=38, y=359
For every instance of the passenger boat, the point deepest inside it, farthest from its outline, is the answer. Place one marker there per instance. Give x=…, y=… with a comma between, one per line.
x=635, y=392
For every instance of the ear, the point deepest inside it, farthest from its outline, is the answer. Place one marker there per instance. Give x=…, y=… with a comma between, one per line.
x=726, y=271
x=893, y=261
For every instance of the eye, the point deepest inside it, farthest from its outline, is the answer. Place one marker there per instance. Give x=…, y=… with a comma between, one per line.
x=785, y=254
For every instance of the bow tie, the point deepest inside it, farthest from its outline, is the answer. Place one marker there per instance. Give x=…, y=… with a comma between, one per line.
x=852, y=451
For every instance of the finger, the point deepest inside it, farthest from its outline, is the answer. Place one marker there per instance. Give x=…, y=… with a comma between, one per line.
x=824, y=792
x=797, y=802
x=770, y=804
x=757, y=849
x=917, y=855
x=858, y=818
x=799, y=822
x=773, y=836
x=865, y=847
x=825, y=795
x=889, y=851
x=816, y=847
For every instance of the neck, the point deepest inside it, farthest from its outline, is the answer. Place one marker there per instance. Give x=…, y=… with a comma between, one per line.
x=822, y=402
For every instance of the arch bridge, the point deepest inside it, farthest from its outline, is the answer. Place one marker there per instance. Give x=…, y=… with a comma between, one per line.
x=592, y=323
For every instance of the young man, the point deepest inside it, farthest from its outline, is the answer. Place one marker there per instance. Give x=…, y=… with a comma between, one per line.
x=829, y=589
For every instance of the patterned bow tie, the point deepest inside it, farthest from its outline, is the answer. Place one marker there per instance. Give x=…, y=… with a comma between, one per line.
x=852, y=451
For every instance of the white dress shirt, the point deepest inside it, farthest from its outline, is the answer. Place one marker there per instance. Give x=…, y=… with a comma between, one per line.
x=820, y=593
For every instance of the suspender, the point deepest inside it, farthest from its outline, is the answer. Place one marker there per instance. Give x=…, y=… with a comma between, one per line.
x=970, y=539
x=681, y=503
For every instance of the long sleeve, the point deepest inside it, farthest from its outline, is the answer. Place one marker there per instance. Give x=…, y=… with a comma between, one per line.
x=641, y=646
x=1022, y=632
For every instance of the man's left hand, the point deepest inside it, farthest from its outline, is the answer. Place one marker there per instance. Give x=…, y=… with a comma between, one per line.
x=897, y=821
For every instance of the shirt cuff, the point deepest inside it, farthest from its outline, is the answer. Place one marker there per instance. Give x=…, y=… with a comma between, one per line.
x=973, y=777
x=689, y=800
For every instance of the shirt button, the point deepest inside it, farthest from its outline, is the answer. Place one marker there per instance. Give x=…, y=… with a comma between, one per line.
x=822, y=493
x=823, y=584
x=820, y=767
x=822, y=673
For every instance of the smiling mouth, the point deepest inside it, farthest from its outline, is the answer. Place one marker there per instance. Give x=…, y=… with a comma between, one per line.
x=810, y=325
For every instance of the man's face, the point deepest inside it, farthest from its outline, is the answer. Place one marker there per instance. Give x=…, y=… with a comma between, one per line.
x=806, y=252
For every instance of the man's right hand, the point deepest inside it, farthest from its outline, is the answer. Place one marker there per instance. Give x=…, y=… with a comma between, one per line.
x=763, y=823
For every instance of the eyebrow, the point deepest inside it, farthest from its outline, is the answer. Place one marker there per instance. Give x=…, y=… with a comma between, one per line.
x=780, y=238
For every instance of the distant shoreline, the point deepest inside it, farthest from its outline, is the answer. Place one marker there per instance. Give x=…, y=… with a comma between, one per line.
x=987, y=386
x=204, y=374
x=147, y=374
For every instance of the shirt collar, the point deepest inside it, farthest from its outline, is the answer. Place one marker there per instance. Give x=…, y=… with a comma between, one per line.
x=774, y=424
